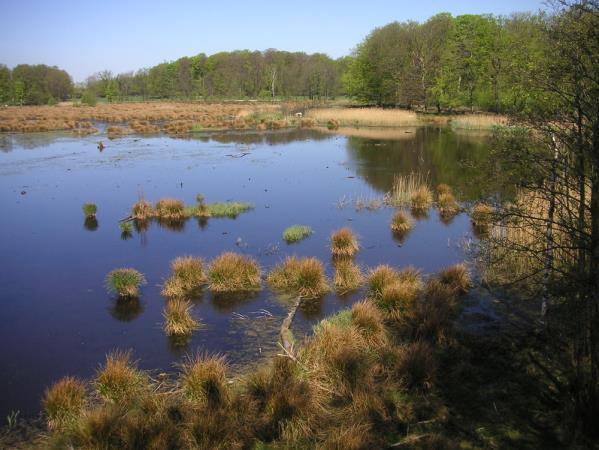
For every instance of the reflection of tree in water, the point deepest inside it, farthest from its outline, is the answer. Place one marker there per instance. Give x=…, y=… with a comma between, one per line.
x=126, y=309
x=284, y=136
x=177, y=225
x=446, y=156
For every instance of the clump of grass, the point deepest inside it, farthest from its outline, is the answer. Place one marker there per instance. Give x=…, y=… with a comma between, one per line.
x=125, y=282
x=187, y=275
x=447, y=204
x=332, y=124
x=203, y=380
x=201, y=207
x=416, y=365
x=296, y=233
x=401, y=223
x=436, y=312
x=344, y=243
x=119, y=381
x=142, y=210
x=89, y=210
x=481, y=215
x=457, y=278
x=422, y=198
x=400, y=295
x=444, y=189
x=228, y=209
x=232, y=272
x=126, y=230
x=369, y=321
x=348, y=276
x=303, y=277
x=404, y=187
x=169, y=208
x=177, y=318
x=63, y=402
x=379, y=278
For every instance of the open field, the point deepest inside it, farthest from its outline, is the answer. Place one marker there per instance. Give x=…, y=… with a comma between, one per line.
x=186, y=117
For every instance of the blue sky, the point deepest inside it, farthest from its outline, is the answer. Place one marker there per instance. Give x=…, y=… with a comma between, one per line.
x=84, y=37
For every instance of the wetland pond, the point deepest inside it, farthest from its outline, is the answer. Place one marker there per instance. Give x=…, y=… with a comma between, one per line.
x=56, y=317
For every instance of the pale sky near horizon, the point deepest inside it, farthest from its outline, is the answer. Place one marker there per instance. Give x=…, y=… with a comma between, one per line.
x=84, y=37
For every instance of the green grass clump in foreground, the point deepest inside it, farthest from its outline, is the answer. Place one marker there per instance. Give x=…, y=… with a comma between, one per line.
x=89, y=209
x=125, y=282
x=299, y=276
x=228, y=209
x=232, y=272
x=296, y=233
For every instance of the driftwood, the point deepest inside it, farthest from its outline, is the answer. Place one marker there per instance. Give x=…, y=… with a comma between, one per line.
x=286, y=335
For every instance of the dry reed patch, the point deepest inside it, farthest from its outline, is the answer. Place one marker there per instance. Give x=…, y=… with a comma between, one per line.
x=177, y=318
x=63, y=402
x=344, y=243
x=303, y=277
x=401, y=223
x=119, y=381
x=203, y=380
x=232, y=272
x=348, y=276
x=479, y=121
x=404, y=188
x=125, y=282
x=421, y=199
x=364, y=117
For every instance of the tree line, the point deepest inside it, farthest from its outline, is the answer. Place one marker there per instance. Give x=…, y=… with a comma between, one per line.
x=34, y=85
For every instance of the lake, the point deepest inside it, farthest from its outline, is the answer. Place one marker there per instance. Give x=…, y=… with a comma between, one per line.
x=56, y=317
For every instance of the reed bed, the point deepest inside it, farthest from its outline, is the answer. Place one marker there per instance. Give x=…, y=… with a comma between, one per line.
x=404, y=188
x=478, y=121
x=363, y=117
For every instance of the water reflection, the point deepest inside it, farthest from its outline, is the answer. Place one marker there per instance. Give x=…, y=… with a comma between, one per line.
x=126, y=309
x=229, y=302
x=91, y=223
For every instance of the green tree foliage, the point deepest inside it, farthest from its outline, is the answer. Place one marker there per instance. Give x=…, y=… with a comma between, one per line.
x=36, y=85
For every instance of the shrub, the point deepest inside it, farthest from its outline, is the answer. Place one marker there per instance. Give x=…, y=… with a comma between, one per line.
x=344, y=243
x=63, y=402
x=421, y=198
x=88, y=98
x=125, y=282
x=296, y=233
x=401, y=223
x=303, y=277
x=232, y=272
x=119, y=381
x=177, y=319
x=89, y=209
x=348, y=276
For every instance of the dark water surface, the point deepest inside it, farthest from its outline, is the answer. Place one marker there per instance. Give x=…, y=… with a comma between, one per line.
x=56, y=318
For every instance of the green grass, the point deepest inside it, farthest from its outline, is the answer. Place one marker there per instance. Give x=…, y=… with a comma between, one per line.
x=125, y=282
x=228, y=209
x=296, y=233
x=89, y=209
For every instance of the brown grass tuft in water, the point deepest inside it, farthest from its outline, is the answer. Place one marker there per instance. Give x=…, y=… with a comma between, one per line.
x=401, y=223
x=457, y=278
x=421, y=199
x=348, y=276
x=63, y=402
x=303, y=277
x=187, y=276
x=344, y=243
x=232, y=272
x=177, y=318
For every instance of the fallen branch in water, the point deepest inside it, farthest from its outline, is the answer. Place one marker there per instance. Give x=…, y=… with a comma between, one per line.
x=286, y=336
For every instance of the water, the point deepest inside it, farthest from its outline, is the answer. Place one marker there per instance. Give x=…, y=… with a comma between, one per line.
x=56, y=318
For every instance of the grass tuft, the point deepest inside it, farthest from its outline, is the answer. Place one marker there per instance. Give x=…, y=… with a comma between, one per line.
x=228, y=209
x=63, y=402
x=379, y=278
x=348, y=276
x=177, y=319
x=187, y=276
x=421, y=199
x=303, y=277
x=203, y=380
x=125, y=282
x=119, y=381
x=296, y=233
x=448, y=206
x=344, y=243
x=142, y=210
x=457, y=278
x=481, y=215
x=401, y=223
x=169, y=208
x=89, y=209
x=416, y=365
x=444, y=189
x=232, y=272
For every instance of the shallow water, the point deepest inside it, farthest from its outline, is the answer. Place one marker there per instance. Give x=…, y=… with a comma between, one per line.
x=56, y=318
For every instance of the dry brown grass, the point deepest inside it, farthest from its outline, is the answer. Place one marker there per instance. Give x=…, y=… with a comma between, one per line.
x=421, y=199
x=401, y=223
x=187, y=276
x=348, y=276
x=478, y=121
x=482, y=215
x=404, y=188
x=64, y=401
x=142, y=210
x=169, y=208
x=378, y=117
x=457, y=278
x=379, y=278
x=203, y=379
x=177, y=318
x=303, y=277
x=344, y=243
x=232, y=272
x=447, y=204
x=119, y=381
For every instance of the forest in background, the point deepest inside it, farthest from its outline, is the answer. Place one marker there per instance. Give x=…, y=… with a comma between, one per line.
x=481, y=62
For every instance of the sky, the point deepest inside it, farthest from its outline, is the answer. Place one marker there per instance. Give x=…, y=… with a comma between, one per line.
x=84, y=37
